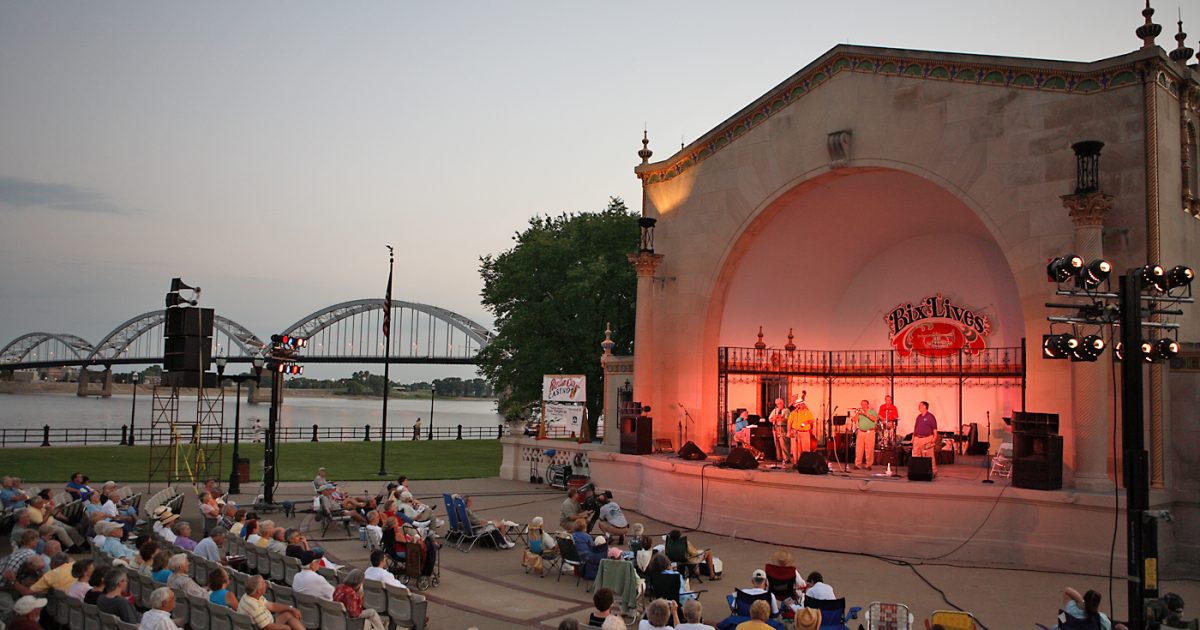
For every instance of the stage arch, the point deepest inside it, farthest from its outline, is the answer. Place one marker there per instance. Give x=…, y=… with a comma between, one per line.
x=828, y=258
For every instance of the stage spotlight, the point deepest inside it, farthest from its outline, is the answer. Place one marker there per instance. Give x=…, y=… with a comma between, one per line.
x=1165, y=350
x=1179, y=276
x=1064, y=268
x=290, y=341
x=1153, y=277
x=1090, y=348
x=1119, y=351
x=1060, y=346
x=1094, y=274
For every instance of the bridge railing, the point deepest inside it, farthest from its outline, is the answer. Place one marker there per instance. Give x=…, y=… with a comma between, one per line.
x=186, y=434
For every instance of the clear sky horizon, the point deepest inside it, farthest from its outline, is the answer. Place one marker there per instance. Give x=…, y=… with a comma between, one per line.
x=267, y=151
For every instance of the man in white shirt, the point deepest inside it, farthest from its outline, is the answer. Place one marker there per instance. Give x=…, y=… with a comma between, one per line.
x=162, y=603
x=693, y=615
x=758, y=586
x=210, y=548
x=612, y=520
x=378, y=570
x=817, y=588
x=311, y=583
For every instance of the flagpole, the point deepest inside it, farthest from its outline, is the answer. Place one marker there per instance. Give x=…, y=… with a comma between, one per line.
x=387, y=355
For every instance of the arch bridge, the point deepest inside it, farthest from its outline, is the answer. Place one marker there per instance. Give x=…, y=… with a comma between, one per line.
x=348, y=332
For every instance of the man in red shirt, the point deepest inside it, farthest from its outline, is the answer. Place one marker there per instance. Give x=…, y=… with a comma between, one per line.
x=889, y=415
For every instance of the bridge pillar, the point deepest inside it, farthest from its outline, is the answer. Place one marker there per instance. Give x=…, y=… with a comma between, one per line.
x=259, y=395
x=95, y=383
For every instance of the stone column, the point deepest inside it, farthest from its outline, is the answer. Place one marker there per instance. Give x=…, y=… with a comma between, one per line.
x=646, y=262
x=1091, y=397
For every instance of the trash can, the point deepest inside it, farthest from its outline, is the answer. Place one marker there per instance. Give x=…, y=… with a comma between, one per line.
x=243, y=469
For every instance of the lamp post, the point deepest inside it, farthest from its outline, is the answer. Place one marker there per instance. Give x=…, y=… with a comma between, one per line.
x=133, y=409
x=432, y=395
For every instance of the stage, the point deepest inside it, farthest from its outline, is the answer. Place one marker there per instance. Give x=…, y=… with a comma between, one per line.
x=858, y=511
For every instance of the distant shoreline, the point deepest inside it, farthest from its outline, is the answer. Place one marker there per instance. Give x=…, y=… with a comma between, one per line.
x=52, y=388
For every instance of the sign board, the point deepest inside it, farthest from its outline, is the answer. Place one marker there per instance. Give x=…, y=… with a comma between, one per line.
x=564, y=388
x=567, y=415
x=936, y=328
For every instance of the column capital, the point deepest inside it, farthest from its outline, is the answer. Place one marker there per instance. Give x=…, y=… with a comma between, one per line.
x=1087, y=209
x=645, y=263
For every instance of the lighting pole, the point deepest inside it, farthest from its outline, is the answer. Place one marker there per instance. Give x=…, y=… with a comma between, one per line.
x=432, y=395
x=133, y=409
x=235, y=478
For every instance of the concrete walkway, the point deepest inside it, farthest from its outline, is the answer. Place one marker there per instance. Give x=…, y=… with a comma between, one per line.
x=488, y=589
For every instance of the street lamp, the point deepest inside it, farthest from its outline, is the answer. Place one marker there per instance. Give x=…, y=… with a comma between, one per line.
x=432, y=395
x=133, y=409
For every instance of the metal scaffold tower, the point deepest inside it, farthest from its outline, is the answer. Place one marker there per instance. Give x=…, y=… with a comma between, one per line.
x=186, y=448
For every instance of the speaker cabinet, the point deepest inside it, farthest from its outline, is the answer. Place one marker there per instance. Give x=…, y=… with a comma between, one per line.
x=740, y=458
x=920, y=469
x=187, y=353
x=1037, y=461
x=812, y=464
x=692, y=452
x=189, y=322
x=637, y=435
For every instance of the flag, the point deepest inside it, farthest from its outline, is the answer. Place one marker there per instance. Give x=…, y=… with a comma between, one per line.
x=387, y=310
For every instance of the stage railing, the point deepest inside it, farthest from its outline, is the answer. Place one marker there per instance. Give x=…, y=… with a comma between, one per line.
x=986, y=363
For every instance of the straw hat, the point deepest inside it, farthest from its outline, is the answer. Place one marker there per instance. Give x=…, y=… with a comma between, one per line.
x=164, y=515
x=808, y=619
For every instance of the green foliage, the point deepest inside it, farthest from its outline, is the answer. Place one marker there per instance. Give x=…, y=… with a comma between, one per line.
x=551, y=295
x=364, y=383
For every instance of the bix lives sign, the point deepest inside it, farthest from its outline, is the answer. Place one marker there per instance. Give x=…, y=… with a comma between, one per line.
x=935, y=327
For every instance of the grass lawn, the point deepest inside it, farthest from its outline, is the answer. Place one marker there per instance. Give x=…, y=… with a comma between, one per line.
x=298, y=461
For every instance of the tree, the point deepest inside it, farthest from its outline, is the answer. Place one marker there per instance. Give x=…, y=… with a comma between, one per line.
x=551, y=295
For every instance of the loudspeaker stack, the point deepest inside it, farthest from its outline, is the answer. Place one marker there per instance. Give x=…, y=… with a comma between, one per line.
x=187, y=346
x=1037, y=451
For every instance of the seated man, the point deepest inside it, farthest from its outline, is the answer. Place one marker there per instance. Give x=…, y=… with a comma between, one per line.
x=816, y=588
x=612, y=519
x=59, y=576
x=335, y=508
x=378, y=570
x=759, y=589
x=108, y=541
x=499, y=526
x=23, y=558
x=311, y=583
x=208, y=506
x=298, y=547
x=267, y=615
x=180, y=580
x=320, y=479
x=66, y=534
x=572, y=510
x=11, y=496
x=212, y=548
x=76, y=487
x=759, y=614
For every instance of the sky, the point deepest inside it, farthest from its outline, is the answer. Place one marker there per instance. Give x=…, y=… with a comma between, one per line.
x=268, y=151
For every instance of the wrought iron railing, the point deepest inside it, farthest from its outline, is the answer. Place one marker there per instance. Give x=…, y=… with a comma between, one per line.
x=185, y=433
x=987, y=363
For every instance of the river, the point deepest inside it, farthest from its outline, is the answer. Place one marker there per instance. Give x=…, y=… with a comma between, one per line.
x=68, y=410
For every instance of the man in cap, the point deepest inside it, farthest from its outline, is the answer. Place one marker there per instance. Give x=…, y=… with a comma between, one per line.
x=759, y=589
x=337, y=509
x=26, y=612
x=612, y=520
x=311, y=583
x=108, y=541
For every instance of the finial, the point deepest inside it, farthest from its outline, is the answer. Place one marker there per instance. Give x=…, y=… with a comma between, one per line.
x=791, y=345
x=608, y=344
x=760, y=345
x=1148, y=31
x=680, y=142
x=645, y=153
x=1182, y=54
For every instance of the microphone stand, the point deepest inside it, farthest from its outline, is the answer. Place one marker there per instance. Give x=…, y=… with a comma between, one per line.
x=688, y=416
x=988, y=454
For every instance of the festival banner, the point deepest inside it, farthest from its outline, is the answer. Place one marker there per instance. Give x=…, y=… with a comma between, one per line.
x=565, y=388
x=936, y=328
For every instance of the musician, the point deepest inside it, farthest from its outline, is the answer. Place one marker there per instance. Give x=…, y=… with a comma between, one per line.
x=925, y=435
x=741, y=428
x=888, y=415
x=800, y=424
x=779, y=427
x=864, y=446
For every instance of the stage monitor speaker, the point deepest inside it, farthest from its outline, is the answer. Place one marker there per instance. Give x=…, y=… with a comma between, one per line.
x=1037, y=461
x=920, y=469
x=740, y=458
x=812, y=464
x=663, y=445
x=692, y=452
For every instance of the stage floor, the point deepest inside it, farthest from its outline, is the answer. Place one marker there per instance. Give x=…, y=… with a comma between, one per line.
x=966, y=469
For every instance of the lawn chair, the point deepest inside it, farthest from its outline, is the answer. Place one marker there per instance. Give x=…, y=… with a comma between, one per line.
x=677, y=553
x=469, y=533
x=833, y=612
x=888, y=616
x=739, y=610
x=781, y=581
x=622, y=578
x=327, y=516
x=951, y=620
x=455, y=531
x=569, y=557
x=667, y=586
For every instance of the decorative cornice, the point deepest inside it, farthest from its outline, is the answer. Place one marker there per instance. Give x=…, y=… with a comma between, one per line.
x=645, y=263
x=1012, y=73
x=1088, y=209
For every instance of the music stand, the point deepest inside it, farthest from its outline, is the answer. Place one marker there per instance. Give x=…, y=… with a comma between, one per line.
x=840, y=421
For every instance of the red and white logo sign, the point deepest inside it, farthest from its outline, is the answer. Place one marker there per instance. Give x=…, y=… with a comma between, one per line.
x=935, y=327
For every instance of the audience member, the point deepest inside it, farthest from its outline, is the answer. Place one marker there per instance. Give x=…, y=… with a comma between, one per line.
x=25, y=613
x=158, y=567
x=11, y=496
x=218, y=589
x=614, y=622
x=568, y=624
x=278, y=542
x=572, y=510
x=320, y=479
x=602, y=599
x=660, y=563
x=183, y=536
x=82, y=571
x=782, y=564
x=22, y=524
x=162, y=604
x=76, y=487
x=298, y=547
x=180, y=580
x=164, y=518
x=816, y=588
x=660, y=614
x=760, y=611
x=679, y=549
x=693, y=616
x=25, y=555
x=267, y=615
x=239, y=521
x=143, y=563
x=500, y=526
x=212, y=548
x=67, y=535
x=96, y=583
x=266, y=531
x=350, y=594
x=114, y=601
x=1086, y=607
x=309, y=582
x=108, y=541
x=208, y=506
x=251, y=532
x=758, y=587
x=336, y=508
x=378, y=570
x=59, y=576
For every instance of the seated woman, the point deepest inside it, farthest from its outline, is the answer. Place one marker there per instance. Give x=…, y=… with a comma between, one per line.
x=583, y=540
x=145, y=558
x=158, y=568
x=1086, y=607
x=680, y=550
x=250, y=531
x=218, y=589
x=540, y=541
x=208, y=506
x=598, y=552
x=661, y=564
x=397, y=537
x=183, y=536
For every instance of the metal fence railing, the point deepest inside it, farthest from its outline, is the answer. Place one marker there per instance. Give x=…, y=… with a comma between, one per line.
x=185, y=433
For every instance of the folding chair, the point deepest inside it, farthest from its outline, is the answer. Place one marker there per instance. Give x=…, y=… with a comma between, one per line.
x=781, y=581
x=888, y=616
x=569, y=557
x=667, y=586
x=109, y=622
x=242, y=621
x=333, y=617
x=310, y=611
x=467, y=532
x=404, y=608
x=951, y=620
x=278, y=568
x=677, y=553
x=1002, y=461
x=198, y=613
x=833, y=612
x=291, y=567
x=219, y=618
x=328, y=517
x=284, y=594
x=91, y=618
x=619, y=575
